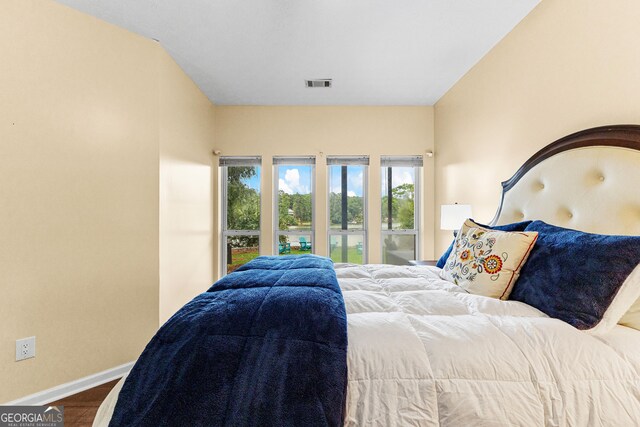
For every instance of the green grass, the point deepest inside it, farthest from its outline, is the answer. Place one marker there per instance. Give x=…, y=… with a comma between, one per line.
x=240, y=259
x=245, y=257
x=352, y=254
x=295, y=251
x=336, y=256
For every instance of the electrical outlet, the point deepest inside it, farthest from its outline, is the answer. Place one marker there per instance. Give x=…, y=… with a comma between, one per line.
x=25, y=348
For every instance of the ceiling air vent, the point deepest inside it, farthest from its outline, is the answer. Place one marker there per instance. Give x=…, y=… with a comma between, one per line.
x=318, y=83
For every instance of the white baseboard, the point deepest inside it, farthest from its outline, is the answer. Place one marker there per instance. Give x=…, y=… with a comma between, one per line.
x=73, y=387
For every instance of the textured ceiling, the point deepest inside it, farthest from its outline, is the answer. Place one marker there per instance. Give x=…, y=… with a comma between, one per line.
x=259, y=52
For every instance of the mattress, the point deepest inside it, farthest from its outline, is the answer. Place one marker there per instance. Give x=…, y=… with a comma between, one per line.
x=423, y=352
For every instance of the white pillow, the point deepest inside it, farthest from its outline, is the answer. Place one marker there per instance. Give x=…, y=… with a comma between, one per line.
x=487, y=262
x=632, y=317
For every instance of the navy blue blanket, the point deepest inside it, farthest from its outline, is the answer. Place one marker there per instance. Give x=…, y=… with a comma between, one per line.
x=264, y=346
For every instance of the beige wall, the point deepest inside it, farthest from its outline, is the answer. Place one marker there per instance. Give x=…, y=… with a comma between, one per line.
x=186, y=192
x=322, y=131
x=569, y=65
x=106, y=178
x=79, y=191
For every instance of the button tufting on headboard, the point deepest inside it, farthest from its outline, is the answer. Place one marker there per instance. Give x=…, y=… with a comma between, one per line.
x=594, y=178
x=564, y=214
x=589, y=183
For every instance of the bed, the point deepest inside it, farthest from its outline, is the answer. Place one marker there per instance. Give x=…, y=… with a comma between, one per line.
x=422, y=351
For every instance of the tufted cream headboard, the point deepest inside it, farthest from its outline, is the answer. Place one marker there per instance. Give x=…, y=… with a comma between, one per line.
x=588, y=181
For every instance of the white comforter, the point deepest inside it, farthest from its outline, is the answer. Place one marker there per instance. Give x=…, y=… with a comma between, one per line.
x=422, y=352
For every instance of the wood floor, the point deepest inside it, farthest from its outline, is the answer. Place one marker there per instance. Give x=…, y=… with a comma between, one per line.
x=80, y=409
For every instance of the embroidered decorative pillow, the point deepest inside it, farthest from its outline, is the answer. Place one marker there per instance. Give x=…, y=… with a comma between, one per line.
x=487, y=262
x=587, y=280
x=516, y=226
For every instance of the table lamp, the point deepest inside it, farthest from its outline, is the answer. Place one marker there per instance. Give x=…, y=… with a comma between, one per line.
x=452, y=216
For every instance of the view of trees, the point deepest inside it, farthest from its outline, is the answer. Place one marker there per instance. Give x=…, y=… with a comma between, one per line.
x=355, y=209
x=243, y=205
x=295, y=214
x=294, y=210
x=402, y=207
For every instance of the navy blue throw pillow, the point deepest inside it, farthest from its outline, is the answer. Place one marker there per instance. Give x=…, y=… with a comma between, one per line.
x=574, y=276
x=516, y=226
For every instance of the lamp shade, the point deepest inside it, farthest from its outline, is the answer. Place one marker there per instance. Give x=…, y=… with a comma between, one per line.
x=452, y=216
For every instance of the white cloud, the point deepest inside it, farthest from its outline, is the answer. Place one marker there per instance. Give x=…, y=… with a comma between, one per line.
x=404, y=177
x=284, y=187
x=354, y=183
x=338, y=190
x=291, y=183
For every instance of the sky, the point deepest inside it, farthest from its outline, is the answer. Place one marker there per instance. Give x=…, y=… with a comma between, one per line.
x=254, y=181
x=399, y=176
x=294, y=179
x=297, y=179
x=354, y=180
x=291, y=179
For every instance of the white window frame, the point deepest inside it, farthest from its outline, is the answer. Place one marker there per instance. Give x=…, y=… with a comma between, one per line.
x=226, y=162
x=293, y=161
x=417, y=163
x=350, y=161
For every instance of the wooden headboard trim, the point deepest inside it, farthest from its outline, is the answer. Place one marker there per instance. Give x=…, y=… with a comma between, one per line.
x=624, y=136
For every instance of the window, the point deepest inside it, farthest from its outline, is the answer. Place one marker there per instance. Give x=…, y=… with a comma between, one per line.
x=294, y=204
x=347, y=209
x=400, y=208
x=240, y=210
